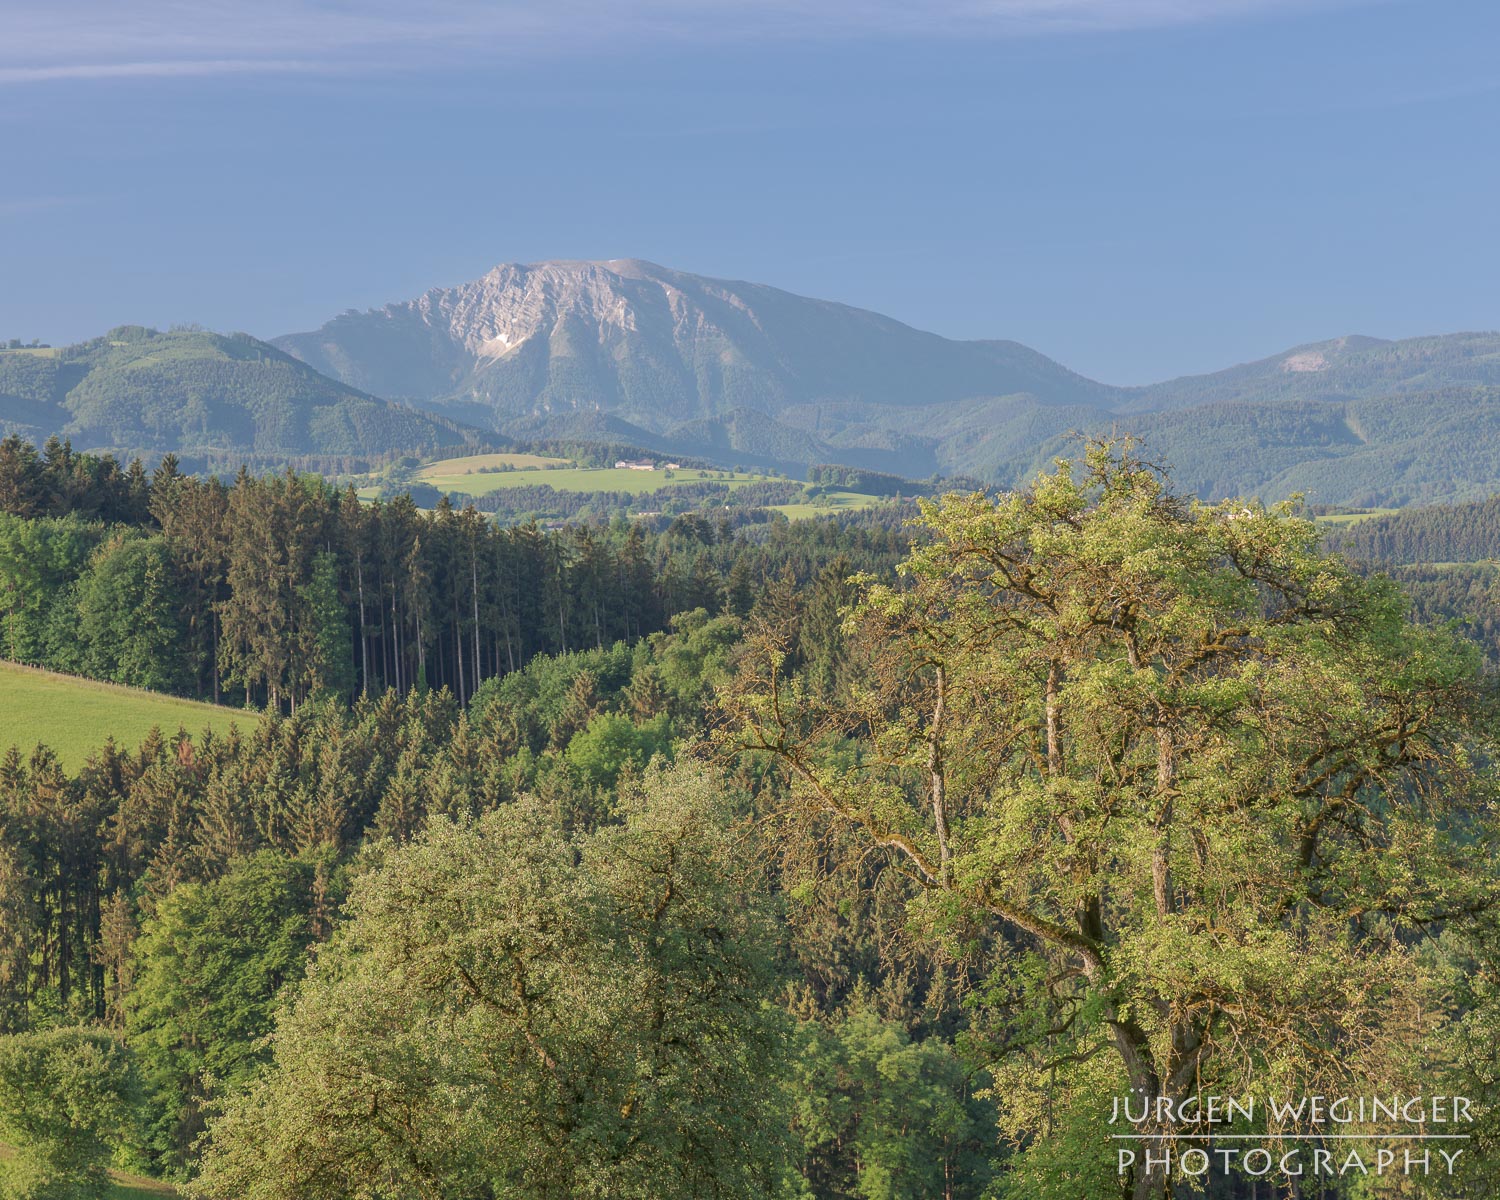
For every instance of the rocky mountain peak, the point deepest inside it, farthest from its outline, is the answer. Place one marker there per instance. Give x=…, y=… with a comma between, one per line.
x=659, y=347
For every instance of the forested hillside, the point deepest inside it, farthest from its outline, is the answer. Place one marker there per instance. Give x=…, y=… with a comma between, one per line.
x=1456, y=533
x=1446, y=559
x=1340, y=369
x=137, y=390
x=818, y=861
x=628, y=354
x=273, y=590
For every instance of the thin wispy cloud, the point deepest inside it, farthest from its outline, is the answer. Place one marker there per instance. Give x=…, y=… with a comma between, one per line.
x=162, y=69
x=103, y=39
x=25, y=205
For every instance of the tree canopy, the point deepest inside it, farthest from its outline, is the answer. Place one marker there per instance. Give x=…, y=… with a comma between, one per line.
x=1204, y=782
x=514, y=1013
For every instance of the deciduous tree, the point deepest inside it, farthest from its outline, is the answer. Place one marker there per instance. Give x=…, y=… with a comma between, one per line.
x=1207, y=782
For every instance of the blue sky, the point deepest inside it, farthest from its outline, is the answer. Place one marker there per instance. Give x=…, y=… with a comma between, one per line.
x=1139, y=188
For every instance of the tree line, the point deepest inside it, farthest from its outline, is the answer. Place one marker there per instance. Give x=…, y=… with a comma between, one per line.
x=269, y=590
x=1441, y=533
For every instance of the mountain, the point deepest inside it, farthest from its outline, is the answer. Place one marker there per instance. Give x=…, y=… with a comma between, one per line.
x=1419, y=447
x=627, y=350
x=659, y=348
x=627, y=353
x=137, y=390
x=1346, y=368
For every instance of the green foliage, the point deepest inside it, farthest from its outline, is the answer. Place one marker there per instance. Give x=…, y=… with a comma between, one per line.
x=1171, y=754
x=510, y=1013
x=612, y=743
x=38, y=560
x=328, y=664
x=285, y=587
x=1469, y=1050
x=59, y=482
x=67, y=1099
x=1157, y=788
x=127, y=625
x=1058, y=1123
x=882, y=1117
x=832, y=477
x=207, y=970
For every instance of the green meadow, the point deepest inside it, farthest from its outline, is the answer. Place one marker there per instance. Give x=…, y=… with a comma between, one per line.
x=74, y=716
x=1354, y=518
x=582, y=479
x=827, y=505
x=484, y=474
x=477, y=463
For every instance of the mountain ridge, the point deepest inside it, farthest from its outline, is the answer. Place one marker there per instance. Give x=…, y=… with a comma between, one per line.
x=626, y=351
x=659, y=347
x=139, y=390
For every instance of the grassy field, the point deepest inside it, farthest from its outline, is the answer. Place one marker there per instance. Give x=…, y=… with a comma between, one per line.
x=35, y=351
x=1354, y=518
x=74, y=716
x=474, y=463
x=581, y=479
x=833, y=502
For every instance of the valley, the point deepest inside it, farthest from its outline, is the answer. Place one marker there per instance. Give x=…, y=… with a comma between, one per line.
x=519, y=486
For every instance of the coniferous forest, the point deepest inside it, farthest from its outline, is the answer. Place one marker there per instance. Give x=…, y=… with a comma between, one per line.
x=850, y=858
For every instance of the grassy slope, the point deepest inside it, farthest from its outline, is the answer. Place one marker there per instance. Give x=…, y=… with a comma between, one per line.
x=1344, y=519
x=474, y=463
x=74, y=716
x=833, y=502
x=577, y=479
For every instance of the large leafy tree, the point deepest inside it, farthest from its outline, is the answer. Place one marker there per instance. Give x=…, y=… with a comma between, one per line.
x=38, y=558
x=1204, y=783
x=67, y=1099
x=512, y=1013
x=126, y=625
x=207, y=970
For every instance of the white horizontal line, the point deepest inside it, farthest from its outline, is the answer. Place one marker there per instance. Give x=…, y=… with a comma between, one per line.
x=1307, y=1137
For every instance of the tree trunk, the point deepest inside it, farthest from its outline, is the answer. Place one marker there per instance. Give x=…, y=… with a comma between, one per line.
x=935, y=773
x=458, y=648
x=1175, y=1079
x=364, y=640
x=474, y=592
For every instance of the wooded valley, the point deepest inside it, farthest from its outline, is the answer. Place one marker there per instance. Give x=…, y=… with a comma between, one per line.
x=841, y=858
